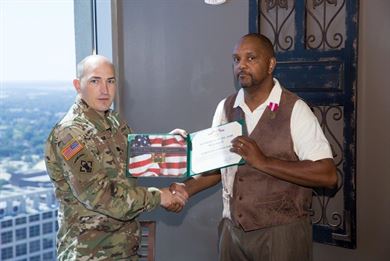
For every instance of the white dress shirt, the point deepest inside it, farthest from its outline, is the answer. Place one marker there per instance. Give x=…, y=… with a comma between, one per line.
x=308, y=138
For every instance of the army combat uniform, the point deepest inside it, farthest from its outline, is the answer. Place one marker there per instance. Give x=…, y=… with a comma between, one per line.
x=86, y=160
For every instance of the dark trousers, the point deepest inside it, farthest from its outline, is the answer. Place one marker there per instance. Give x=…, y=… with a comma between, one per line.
x=290, y=242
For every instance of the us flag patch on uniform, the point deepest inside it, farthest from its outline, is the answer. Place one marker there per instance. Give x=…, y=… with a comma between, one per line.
x=71, y=149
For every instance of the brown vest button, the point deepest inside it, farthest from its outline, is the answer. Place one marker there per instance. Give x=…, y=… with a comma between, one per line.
x=240, y=179
x=239, y=215
x=239, y=198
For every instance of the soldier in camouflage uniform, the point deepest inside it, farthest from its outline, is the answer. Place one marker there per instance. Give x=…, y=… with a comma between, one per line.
x=86, y=160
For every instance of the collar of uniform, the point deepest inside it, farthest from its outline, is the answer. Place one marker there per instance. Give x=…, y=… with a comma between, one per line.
x=101, y=122
x=274, y=96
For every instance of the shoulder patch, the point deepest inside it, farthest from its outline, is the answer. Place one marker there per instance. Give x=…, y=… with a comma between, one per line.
x=71, y=149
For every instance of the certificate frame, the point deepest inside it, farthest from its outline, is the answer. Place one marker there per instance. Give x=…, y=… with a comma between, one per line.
x=170, y=155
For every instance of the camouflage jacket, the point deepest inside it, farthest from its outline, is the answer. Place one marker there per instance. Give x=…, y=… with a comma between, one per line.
x=85, y=157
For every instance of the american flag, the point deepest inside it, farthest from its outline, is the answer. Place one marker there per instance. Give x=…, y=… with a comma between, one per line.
x=157, y=155
x=71, y=149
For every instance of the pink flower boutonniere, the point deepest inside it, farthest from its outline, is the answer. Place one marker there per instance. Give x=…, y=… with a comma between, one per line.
x=273, y=107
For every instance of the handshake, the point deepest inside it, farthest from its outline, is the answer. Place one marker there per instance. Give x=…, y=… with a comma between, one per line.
x=174, y=198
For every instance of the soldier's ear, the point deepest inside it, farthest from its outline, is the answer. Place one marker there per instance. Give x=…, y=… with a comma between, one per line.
x=76, y=84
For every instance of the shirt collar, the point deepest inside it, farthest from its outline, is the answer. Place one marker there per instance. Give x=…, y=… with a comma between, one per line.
x=101, y=122
x=274, y=96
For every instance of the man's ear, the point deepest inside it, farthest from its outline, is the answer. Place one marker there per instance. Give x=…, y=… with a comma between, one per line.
x=272, y=64
x=76, y=84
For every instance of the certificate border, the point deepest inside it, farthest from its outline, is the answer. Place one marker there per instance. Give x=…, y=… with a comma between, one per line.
x=189, y=150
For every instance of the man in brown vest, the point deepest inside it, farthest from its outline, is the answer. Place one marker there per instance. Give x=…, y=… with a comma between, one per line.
x=266, y=201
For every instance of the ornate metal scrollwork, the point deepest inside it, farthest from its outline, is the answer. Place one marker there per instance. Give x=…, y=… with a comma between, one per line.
x=322, y=198
x=323, y=24
x=271, y=12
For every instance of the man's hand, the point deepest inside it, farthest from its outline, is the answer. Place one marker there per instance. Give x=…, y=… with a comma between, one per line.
x=178, y=190
x=249, y=151
x=318, y=173
x=172, y=201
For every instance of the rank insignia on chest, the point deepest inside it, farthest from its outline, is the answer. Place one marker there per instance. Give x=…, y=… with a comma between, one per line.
x=71, y=149
x=86, y=166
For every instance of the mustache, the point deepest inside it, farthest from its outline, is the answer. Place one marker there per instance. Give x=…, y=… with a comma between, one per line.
x=244, y=73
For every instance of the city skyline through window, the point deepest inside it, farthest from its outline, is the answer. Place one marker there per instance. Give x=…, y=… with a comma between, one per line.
x=37, y=46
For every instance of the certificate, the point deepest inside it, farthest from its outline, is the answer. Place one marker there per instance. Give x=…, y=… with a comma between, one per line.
x=168, y=155
x=210, y=148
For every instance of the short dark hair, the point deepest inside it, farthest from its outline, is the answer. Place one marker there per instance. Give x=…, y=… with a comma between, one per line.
x=264, y=41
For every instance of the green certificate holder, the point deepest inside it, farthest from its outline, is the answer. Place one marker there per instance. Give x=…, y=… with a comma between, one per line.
x=168, y=155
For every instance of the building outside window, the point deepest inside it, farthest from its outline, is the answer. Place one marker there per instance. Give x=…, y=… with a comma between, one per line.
x=19, y=221
x=35, y=246
x=47, y=215
x=34, y=231
x=20, y=233
x=21, y=249
x=37, y=66
x=6, y=253
x=47, y=243
x=6, y=237
x=47, y=228
x=6, y=224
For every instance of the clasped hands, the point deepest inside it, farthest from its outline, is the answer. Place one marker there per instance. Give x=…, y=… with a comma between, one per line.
x=174, y=198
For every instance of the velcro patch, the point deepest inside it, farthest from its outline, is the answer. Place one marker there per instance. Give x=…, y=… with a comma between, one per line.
x=86, y=166
x=71, y=149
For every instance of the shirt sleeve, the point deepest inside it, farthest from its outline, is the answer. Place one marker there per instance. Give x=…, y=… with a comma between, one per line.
x=93, y=182
x=219, y=115
x=309, y=140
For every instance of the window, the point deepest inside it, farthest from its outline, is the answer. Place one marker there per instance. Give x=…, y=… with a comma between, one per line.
x=47, y=228
x=21, y=249
x=34, y=231
x=34, y=218
x=37, y=61
x=7, y=223
x=20, y=221
x=6, y=237
x=35, y=258
x=48, y=256
x=35, y=246
x=47, y=215
x=6, y=253
x=36, y=92
x=47, y=243
x=20, y=234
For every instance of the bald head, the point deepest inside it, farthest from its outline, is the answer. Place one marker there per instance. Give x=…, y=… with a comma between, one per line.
x=96, y=82
x=92, y=60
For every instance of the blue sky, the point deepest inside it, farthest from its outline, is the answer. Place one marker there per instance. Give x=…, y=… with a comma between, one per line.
x=37, y=40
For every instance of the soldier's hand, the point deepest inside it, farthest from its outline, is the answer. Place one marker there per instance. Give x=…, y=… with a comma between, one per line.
x=172, y=202
x=178, y=189
x=180, y=132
